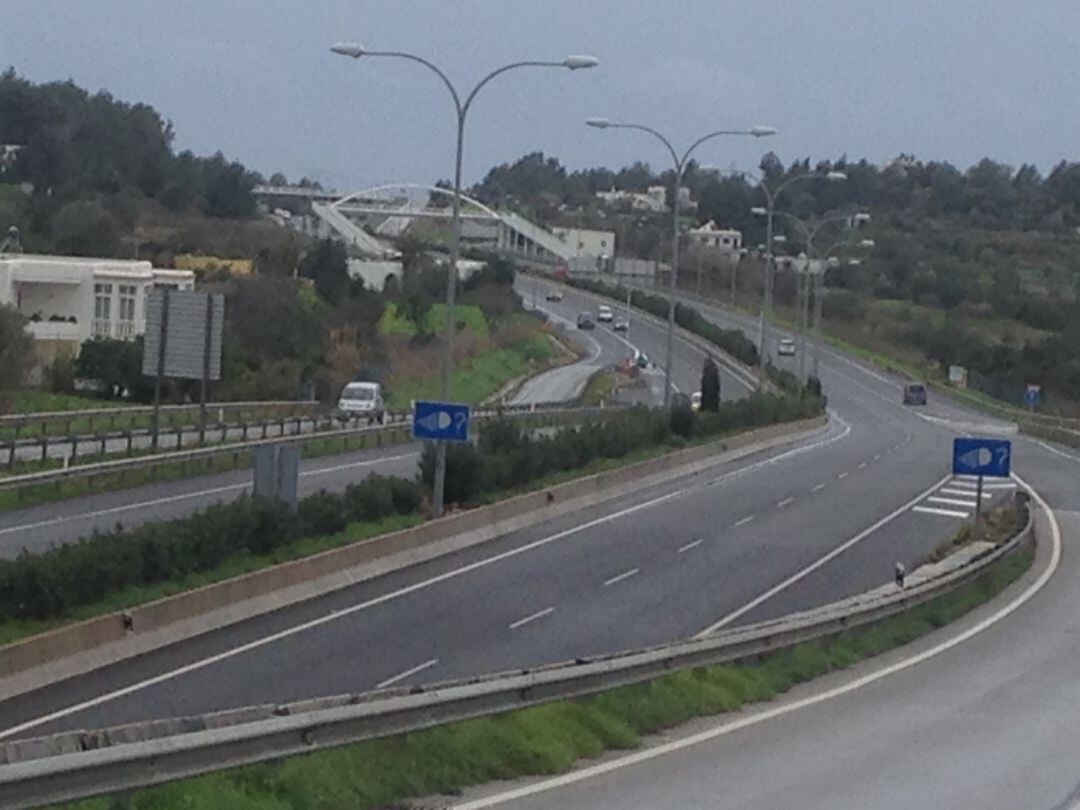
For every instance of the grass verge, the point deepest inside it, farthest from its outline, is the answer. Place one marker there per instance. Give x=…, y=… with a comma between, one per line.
x=14, y=630
x=599, y=389
x=552, y=738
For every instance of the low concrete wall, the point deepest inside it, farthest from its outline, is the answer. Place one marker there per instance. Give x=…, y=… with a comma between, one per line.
x=79, y=648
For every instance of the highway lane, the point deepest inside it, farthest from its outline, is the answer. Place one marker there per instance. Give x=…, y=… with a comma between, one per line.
x=987, y=724
x=39, y=527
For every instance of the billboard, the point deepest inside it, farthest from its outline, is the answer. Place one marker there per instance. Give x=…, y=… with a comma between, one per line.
x=191, y=318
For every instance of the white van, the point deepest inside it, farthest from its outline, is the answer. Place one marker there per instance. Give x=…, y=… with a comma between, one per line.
x=361, y=400
x=604, y=314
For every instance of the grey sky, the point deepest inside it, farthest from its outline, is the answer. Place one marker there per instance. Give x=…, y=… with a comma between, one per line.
x=945, y=79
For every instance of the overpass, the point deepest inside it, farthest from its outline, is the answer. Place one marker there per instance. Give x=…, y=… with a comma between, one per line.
x=370, y=219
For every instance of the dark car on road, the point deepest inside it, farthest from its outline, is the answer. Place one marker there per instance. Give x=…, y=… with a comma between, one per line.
x=585, y=321
x=915, y=394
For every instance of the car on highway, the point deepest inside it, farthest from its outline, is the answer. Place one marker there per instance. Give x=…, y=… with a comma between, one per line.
x=915, y=394
x=361, y=400
x=554, y=295
x=585, y=321
x=786, y=348
x=604, y=314
x=641, y=360
x=695, y=401
x=621, y=324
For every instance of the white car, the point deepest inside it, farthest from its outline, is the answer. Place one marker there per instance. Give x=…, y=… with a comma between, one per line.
x=786, y=348
x=604, y=314
x=695, y=401
x=361, y=400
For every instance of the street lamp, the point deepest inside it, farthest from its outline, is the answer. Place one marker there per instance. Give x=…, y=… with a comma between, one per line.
x=573, y=62
x=680, y=167
x=812, y=274
x=767, y=211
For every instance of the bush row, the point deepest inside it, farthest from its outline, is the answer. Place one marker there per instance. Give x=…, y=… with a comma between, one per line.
x=507, y=457
x=39, y=586
x=733, y=341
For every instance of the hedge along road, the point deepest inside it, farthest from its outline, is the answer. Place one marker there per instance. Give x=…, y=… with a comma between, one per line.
x=40, y=527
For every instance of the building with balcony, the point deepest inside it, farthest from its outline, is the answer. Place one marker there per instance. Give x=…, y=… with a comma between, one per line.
x=726, y=240
x=69, y=300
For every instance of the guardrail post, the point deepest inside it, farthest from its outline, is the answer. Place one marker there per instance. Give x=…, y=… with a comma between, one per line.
x=11, y=454
x=128, y=436
x=299, y=425
x=245, y=431
x=281, y=426
x=44, y=446
x=104, y=438
x=74, y=446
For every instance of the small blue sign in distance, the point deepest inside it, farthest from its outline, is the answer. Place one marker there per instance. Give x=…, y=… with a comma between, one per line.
x=445, y=421
x=987, y=457
x=1031, y=395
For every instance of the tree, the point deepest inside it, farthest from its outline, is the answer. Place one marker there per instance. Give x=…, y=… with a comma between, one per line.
x=328, y=266
x=16, y=346
x=710, y=386
x=115, y=364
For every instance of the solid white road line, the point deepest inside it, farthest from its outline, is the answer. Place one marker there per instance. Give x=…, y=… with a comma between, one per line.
x=186, y=495
x=532, y=618
x=690, y=545
x=933, y=510
x=805, y=572
x=818, y=488
x=731, y=726
x=407, y=673
x=417, y=586
x=621, y=577
x=743, y=521
x=785, y=502
x=951, y=501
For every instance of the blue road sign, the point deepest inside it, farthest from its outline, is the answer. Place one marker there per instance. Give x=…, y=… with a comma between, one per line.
x=448, y=421
x=989, y=457
x=1031, y=395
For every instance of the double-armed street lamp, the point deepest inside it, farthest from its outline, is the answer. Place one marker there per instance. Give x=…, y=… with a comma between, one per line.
x=768, y=211
x=680, y=167
x=811, y=267
x=462, y=105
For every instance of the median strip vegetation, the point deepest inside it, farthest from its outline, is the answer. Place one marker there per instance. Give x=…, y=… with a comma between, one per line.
x=551, y=738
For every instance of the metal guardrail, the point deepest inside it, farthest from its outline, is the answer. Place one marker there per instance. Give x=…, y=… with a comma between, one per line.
x=18, y=420
x=81, y=764
x=398, y=422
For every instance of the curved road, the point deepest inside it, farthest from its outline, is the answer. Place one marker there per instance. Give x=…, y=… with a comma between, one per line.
x=743, y=540
x=986, y=722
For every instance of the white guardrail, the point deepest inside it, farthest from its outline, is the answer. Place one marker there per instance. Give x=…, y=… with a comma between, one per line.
x=396, y=423
x=18, y=420
x=79, y=764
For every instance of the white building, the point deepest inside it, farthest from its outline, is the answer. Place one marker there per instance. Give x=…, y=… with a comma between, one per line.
x=586, y=242
x=712, y=235
x=654, y=199
x=72, y=299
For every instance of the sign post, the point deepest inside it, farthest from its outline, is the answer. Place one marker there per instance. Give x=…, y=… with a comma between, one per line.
x=979, y=458
x=183, y=340
x=1032, y=394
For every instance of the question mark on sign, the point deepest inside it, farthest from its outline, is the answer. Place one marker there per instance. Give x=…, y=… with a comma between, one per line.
x=1003, y=456
x=461, y=418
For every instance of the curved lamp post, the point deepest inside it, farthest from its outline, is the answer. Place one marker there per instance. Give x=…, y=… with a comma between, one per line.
x=461, y=106
x=680, y=166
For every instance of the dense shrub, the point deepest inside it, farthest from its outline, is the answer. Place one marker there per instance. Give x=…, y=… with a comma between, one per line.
x=38, y=586
x=509, y=458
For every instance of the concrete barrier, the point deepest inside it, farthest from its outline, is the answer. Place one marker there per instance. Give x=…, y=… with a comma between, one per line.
x=85, y=646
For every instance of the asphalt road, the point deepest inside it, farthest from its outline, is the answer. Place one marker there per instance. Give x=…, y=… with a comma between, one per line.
x=986, y=724
x=784, y=530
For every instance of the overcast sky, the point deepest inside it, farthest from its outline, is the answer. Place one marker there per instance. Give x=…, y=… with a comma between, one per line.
x=952, y=80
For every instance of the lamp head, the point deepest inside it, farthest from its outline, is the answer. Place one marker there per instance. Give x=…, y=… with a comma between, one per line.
x=762, y=131
x=353, y=49
x=580, y=62
x=759, y=211
x=599, y=123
